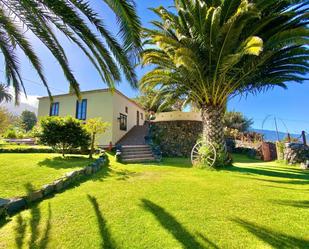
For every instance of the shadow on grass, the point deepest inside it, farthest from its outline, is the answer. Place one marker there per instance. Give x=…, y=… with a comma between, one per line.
x=286, y=188
x=293, y=182
x=297, y=204
x=274, y=239
x=4, y=221
x=107, y=242
x=179, y=232
x=272, y=172
x=65, y=162
x=37, y=239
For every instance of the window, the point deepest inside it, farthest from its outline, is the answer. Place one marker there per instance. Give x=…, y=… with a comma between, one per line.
x=81, y=109
x=142, y=116
x=54, y=109
x=123, y=122
x=126, y=109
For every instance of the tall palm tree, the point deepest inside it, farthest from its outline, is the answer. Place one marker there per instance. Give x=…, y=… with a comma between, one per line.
x=76, y=20
x=212, y=50
x=5, y=95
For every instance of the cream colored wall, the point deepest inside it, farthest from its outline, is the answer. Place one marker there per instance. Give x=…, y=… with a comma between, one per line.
x=99, y=104
x=120, y=102
x=102, y=104
x=177, y=115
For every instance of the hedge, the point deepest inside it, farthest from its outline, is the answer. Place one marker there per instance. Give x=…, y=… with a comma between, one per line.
x=27, y=150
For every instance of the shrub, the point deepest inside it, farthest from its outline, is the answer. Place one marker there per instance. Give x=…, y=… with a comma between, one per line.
x=13, y=133
x=64, y=134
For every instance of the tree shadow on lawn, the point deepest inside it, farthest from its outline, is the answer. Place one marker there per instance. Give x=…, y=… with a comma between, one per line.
x=293, y=182
x=37, y=239
x=297, y=204
x=65, y=162
x=286, y=188
x=178, y=231
x=271, y=172
x=107, y=242
x=274, y=239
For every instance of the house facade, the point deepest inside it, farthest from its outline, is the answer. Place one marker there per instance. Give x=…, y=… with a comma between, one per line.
x=112, y=106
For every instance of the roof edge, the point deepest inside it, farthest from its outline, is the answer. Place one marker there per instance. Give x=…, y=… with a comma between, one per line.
x=97, y=90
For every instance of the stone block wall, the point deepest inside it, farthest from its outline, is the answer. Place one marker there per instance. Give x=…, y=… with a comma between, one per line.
x=176, y=138
x=296, y=153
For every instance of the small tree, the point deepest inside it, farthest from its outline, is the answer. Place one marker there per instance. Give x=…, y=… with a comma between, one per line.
x=28, y=120
x=95, y=126
x=236, y=120
x=63, y=134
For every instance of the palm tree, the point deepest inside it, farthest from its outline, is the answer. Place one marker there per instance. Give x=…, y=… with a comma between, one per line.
x=212, y=50
x=4, y=94
x=76, y=20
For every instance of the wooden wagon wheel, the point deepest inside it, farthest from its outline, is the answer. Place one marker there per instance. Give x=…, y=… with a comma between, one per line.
x=197, y=155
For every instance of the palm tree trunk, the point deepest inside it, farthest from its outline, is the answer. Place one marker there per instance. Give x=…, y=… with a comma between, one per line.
x=213, y=131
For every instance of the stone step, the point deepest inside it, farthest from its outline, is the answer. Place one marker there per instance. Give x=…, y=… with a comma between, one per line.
x=135, y=149
x=135, y=146
x=139, y=159
x=139, y=152
x=126, y=156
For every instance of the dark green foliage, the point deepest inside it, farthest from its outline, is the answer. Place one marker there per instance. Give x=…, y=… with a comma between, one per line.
x=28, y=120
x=236, y=120
x=63, y=134
x=81, y=24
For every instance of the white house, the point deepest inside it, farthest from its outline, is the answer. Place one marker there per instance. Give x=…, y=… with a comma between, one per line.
x=112, y=106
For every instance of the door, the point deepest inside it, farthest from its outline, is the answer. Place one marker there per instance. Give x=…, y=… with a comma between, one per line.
x=137, y=118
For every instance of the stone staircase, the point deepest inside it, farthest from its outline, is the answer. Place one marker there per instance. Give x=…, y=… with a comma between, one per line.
x=136, y=153
x=134, y=147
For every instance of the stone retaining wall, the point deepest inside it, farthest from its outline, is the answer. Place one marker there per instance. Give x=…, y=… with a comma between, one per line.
x=176, y=138
x=14, y=205
x=296, y=153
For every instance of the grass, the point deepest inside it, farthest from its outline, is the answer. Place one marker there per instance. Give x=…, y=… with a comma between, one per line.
x=18, y=170
x=171, y=205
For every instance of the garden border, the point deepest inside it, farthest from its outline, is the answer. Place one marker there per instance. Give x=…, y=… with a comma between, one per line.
x=11, y=206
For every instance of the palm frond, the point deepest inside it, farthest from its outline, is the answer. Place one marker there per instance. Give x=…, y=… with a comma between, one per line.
x=213, y=50
x=78, y=21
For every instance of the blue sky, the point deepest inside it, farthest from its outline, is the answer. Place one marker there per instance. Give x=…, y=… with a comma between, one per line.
x=291, y=106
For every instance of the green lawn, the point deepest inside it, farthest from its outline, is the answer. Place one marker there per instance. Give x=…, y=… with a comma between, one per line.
x=17, y=170
x=171, y=205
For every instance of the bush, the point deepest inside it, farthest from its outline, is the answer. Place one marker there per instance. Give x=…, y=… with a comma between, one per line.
x=64, y=134
x=14, y=133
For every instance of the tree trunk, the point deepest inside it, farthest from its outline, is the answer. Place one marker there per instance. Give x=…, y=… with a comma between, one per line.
x=92, y=145
x=63, y=150
x=213, y=131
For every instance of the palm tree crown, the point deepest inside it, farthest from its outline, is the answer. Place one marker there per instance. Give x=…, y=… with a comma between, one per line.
x=211, y=50
x=76, y=20
x=5, y=95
